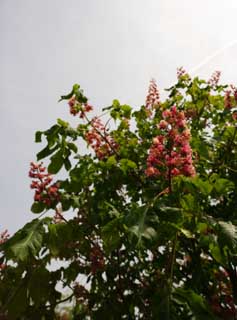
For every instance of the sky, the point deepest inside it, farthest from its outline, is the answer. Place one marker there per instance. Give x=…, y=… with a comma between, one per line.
x=112, y=49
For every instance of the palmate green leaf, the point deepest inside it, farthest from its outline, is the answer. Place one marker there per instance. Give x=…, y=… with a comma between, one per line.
x=27, y=241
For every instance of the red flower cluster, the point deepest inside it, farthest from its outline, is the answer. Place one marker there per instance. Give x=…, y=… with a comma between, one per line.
x=227, y=99
x=4, y=236
x=153, y=97
x=230, y=97
x=78, y=108
x=171, y=154
x=215, y=78
x=44, y=191
x=100, y=140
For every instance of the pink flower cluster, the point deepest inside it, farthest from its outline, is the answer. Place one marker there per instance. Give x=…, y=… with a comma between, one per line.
x=170, y=153
x=153, y=97
x=78, y=108
x=4, y=236
x=181, y=72
x=100, y=140
x=230, y=97
x=215, y=78
x=44, y=191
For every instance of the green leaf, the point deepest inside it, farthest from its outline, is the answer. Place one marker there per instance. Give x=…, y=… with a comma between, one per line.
x=137, y=224
x=184, y=231
x=72, y=146
x=217, y=254
x=69, y=95
x=171, y=214
x=46, y=152
x=126, y=110
x=27, y=241
x=110, y=235
x=111, y=161
x=197, y=304
x=188, y=203
x=223, y=185
x=227, y=234
x=126, y=164
x=116, y=104
x=38, y=286
x=63, y=123
x=38, y=136
x=56, y=162
x=53, y=239
x=19, y=303
x=204, y=186
x=37, y=207
x=149, y=233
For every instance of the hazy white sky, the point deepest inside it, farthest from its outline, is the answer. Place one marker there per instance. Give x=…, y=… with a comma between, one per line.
x=112, y=48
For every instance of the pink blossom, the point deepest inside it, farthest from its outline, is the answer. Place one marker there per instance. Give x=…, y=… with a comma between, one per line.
x=181, y=72
x=99, y=139
x=166, y=114
x=170, y=152
x=186, y=149
x=214, y=80
x=4, y=236
x=152, y=171
x=163, y=124
x=227, y=99
x=175, y=172
x=153, y=97
x=44, y=191
x=76, y=108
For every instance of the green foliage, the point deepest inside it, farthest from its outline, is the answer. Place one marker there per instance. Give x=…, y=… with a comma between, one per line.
x=124, y=244
x=27, y=241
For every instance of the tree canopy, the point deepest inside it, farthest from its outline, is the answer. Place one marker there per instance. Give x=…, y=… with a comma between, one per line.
x=144, y=223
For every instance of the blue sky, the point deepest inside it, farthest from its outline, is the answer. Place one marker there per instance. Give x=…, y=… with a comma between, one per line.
x=112, y=48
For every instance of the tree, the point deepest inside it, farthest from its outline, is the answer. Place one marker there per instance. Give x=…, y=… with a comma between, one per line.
x=144, y=223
